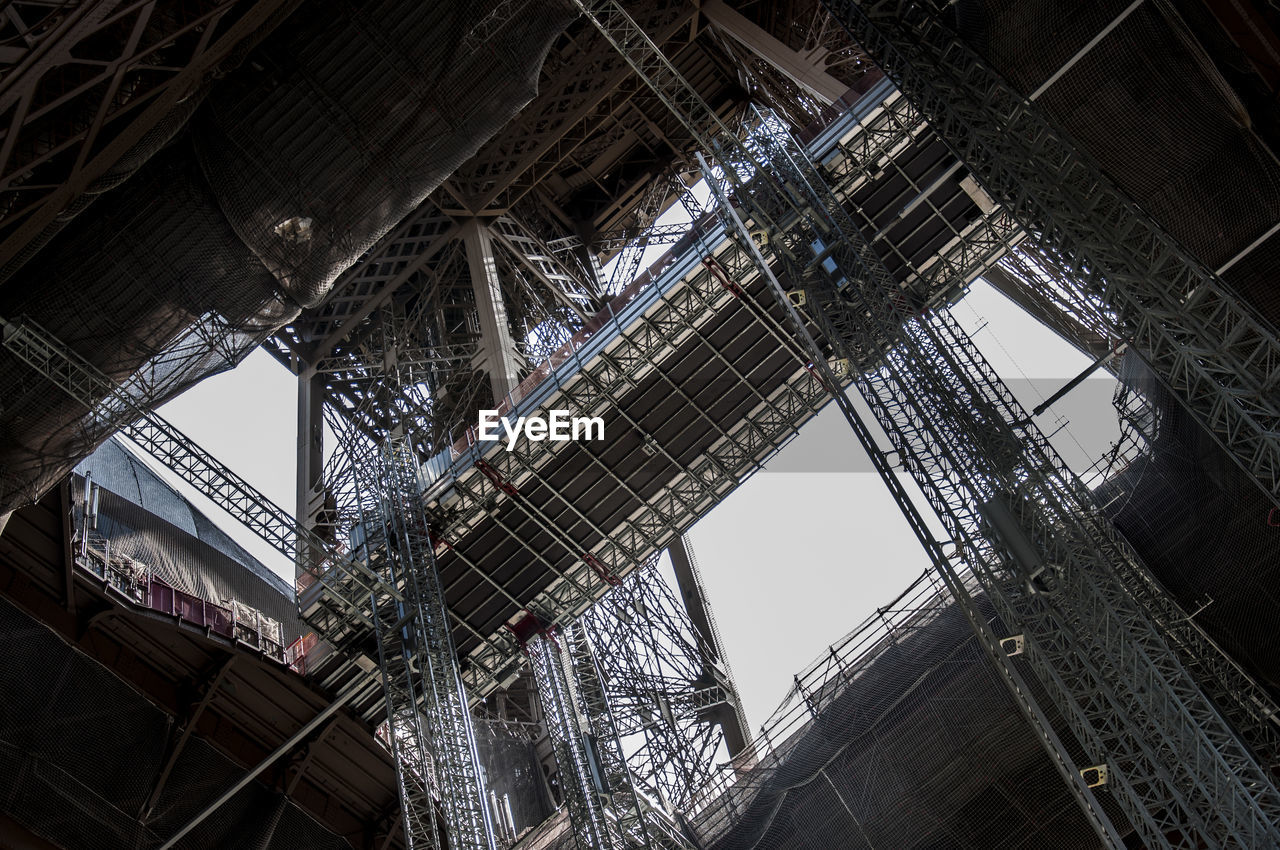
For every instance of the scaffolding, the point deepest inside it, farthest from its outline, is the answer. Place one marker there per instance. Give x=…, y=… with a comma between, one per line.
x=429, y=726
x=668, y=690
x=1019, y=520
x=1099, y=635
x=606, y=810
x=1217, y=354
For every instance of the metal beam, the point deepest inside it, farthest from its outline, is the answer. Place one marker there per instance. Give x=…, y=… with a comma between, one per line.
x=792, y=64
x=310, y=470
x=358, y=689
x=1211, y=348
x=732, y=720
x=404, y=271
x=500, y=358
x=193, y=719
x=254, y=24
x=578, y=117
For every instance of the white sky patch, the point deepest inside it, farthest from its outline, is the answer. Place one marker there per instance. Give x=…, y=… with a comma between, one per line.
x=792, y=560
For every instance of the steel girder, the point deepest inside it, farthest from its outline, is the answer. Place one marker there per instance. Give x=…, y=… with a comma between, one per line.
x=561, y=714
x=1113, y=674
x=358, y=292
x=422, y=322
x=579, y=93
x=585, y=103
x=86, y=82
x=605, y=810
x=664, y=685
x=429, y=721
x=654, y=200
x=591, y=390
x=695, y=490
x=1214, y=351
x=1182, y=775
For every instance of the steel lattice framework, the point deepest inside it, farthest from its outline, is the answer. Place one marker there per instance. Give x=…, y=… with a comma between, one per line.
x=390, y=587
x=1022, y=523
x=662, y=683
x=979, y=458
x=1213, y=350
x=429, y=721
x=569, y=746
x=399, y=361
x=605, y=810
x=83, y=83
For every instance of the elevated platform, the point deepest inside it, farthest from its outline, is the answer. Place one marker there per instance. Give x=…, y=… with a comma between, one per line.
x=698, y=382
x=134, y=694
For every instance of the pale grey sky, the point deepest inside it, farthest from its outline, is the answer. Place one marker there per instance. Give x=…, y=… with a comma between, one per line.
x=793, y=559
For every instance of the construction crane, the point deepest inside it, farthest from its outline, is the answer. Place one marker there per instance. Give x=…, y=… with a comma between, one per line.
x=1020, y=521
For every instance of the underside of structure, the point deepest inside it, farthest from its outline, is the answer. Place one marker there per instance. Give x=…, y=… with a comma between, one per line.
x=693, y=226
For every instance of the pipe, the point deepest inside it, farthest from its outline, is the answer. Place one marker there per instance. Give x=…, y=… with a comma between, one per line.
x=1080, y=54
x=342, y=699
x=1077, y=380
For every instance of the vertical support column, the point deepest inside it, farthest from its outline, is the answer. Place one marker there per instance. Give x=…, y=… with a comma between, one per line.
x=429, y=720
x=800, y=69
x=731, y=718
x=499, y=357
x=406, y=733
x=578, y=773
x=613, y=776
x=311, y=488
x=426, y=632
x=587, y=259
x=606, y=811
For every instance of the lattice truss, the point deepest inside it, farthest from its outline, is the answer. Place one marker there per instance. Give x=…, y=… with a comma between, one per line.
x=978, y=458
x=663, y=686
x=1105, y=643
x=810, y=30
x=82, y=82
x=578, y=178
x=1209, y=346
x=607, y=808
x=428, y=336
x=429, y=727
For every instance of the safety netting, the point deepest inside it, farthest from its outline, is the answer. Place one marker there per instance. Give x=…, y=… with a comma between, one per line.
x=284, y=174
x=902, y=735
x=139, y=525
x=81, y=753
x=1200, y=524
x=1161, y=104
x=519, y=799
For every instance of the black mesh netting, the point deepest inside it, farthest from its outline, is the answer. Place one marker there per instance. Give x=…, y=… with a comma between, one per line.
x=910, y=741
x=1151, y=107
x=292, y=167
x=80, y=752
x=1206, y=531
x=513, y=776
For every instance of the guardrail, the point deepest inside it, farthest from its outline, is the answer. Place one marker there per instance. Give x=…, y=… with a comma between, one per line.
x=135, y=582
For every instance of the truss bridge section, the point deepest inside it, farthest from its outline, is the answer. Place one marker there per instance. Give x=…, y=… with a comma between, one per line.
x=698, y=382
